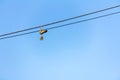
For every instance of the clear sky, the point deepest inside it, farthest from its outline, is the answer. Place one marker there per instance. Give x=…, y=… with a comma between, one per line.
x=85, y=51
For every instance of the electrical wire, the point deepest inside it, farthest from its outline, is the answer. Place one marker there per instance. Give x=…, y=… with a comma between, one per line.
x=19, y=31
x=19, y=35
x=84, y=20
x=63, y=25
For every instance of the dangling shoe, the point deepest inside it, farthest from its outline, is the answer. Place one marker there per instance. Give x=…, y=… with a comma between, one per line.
x=41, y=38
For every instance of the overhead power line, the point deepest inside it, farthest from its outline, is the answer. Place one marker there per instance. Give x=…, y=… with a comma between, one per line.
x=19, y=35
x=19, y=31
x=63, y=25
x=84, y=20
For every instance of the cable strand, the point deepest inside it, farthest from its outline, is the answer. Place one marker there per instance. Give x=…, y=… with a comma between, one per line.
x=63, y=25
x=19, y=31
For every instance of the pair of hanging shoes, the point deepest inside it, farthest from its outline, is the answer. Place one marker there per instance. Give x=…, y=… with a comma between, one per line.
x=42, y=31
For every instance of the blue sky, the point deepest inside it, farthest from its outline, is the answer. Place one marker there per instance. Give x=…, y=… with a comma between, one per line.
x=85, y=51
